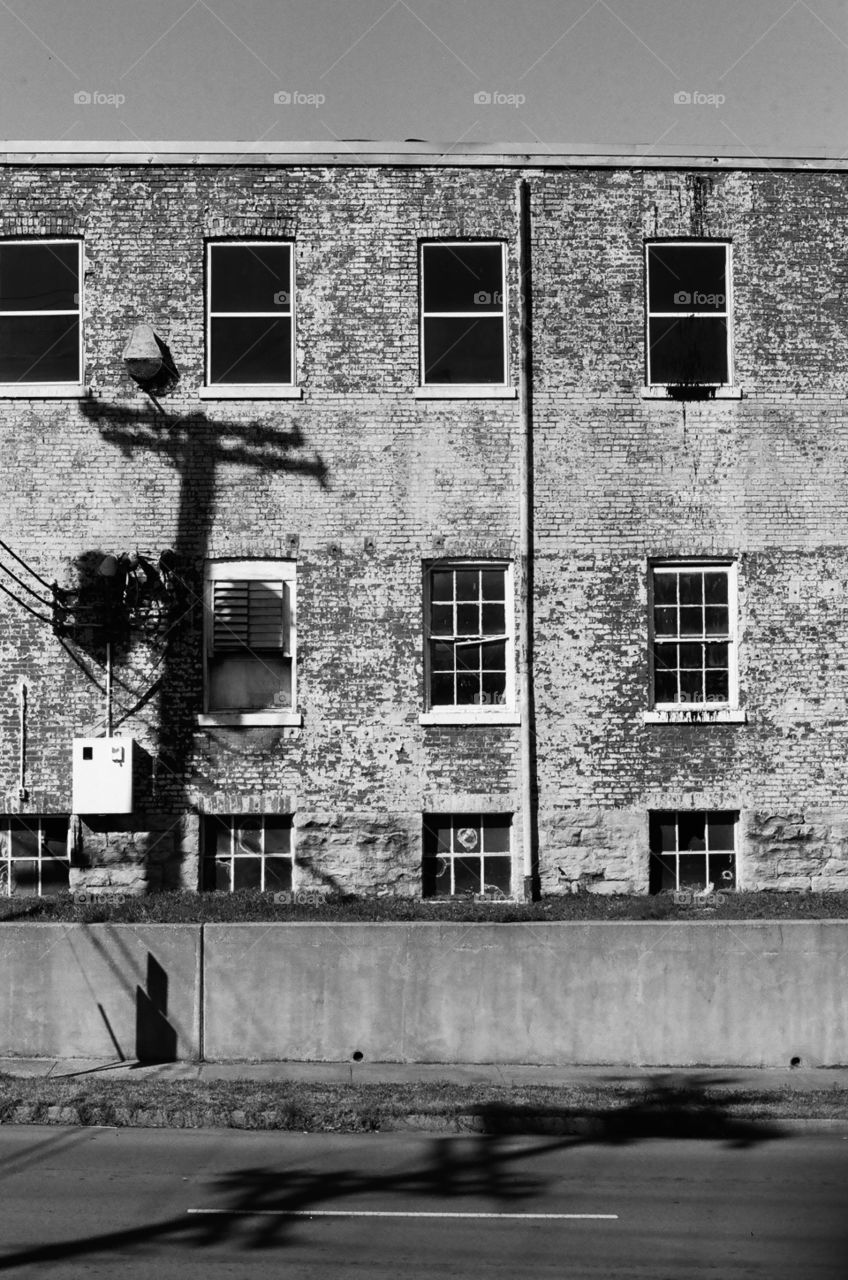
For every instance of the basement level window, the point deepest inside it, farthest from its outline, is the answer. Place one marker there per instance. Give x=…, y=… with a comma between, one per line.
x=250, y=643
x=34, y=856
x=250, y=314
x=463, y=314
x=688, y=314
x=467, y=854
x=40, y=315
x=247, y=852
x=692, y=850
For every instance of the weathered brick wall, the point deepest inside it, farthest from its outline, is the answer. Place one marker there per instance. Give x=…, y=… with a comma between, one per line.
x=362, y=483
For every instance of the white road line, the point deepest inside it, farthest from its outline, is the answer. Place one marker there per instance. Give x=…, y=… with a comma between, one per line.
x=385, y=1213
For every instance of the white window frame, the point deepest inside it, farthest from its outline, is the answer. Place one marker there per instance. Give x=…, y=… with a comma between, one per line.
x=678, y=852
x=234, y=821
x=249, y=390
x=473, y=714
x=250, y=571
x=721, y=389
x=69, y=390
x=470, y=390
x=725, y=712
x=34, y=822
x=480, y=852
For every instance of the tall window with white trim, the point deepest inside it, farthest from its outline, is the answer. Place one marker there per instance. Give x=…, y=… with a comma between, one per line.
x=40, y=311
x=693, y=635
x=688, y=313
x=250, y=313
x=463, y=313
x=469, y=656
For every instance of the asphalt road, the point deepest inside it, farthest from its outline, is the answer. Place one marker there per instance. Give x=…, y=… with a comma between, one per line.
x=146, y=1202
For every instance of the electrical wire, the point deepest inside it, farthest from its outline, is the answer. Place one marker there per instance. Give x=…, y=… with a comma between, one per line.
x=15, y=556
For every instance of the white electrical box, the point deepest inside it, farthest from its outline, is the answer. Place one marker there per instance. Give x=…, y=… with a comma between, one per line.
x=103, y=775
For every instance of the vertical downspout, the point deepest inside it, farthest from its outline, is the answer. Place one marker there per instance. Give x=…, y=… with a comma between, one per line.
x=525, y=548
x=108, y=688
x=23, y=794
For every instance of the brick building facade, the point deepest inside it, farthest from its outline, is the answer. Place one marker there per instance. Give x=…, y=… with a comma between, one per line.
x=301, y=537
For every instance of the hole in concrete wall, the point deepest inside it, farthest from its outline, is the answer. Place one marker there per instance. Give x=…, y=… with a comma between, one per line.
x=358, y=1055
x=795, y=1062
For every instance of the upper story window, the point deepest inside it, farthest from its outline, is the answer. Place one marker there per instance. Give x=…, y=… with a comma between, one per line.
x=463, y=314
x=250, y=314
x=250, y=642
x=688, y=314
x=40, y=312
x=469, y=654
x=34, y=856
x=693, y=635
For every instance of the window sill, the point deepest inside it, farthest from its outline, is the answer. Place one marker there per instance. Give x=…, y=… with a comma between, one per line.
x=469, y=391
x=697, y=715
x=251, y=391
x=469, y=716
x=661, y=392
x=44, y=391
x=236, y=719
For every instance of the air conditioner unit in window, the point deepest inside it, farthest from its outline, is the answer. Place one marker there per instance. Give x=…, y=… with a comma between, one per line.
x=103, y=775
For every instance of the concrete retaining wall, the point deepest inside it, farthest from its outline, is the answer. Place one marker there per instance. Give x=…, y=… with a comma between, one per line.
x=754, y=994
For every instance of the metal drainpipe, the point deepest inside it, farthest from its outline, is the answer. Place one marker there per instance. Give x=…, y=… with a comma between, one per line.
x=525, y=545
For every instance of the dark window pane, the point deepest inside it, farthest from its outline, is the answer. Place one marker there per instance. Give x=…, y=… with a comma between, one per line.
x=441, y=690
x=39, y=349
x=494, y=619
x=25, y=879
x=441, y=619
x=688, y=352
x=436, y=876
x=441, y=656
x=723, y=870
x=441, y=584
x=278, y=874
x=497, y=874
x=252, y=277
x=468, y=657
x=494, y=688
x=691, y=588
x=467, y=584
x=54, y=835
x=663, y=833
x=687, y=277
x=715, y=588
x=55, y=875
x=716, y=621
x=716, y=655
x=692, y=622
x=468, y=620
x=249, y=683
x=217, y=836
x=39, y=277
x=665, y=622
x=690, y=655
x=216, y=874
x=496, y=831
x=247, y=350
x=463, y=277
x=437, y=835
x=247, y=873
x=464, y=350
x=466, y=875
x=721, y=830
x=25, y=841
x=665, y=588
x=665, y=686
x=277, y=835
x=691, y=686
x=693, y=871
x=717, y=686
x=662, y=873
x=467, y=689
x=493, y=584
x=493, y=656
x=249, y=836
x=691, y=829
x=466, y=832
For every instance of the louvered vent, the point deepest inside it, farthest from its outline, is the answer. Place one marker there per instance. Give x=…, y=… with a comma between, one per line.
x=249, y=615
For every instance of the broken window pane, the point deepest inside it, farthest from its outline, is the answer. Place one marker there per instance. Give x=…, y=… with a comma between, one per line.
x=692, y=871
x=691, y=830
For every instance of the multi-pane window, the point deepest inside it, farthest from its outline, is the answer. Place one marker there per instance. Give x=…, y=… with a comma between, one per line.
x=469, y=636
x=693, y=635
x=250, y=636
x=692, y=850
x=247, y=852
x=463, y=313
x=40, y=330
x=34, y=856
x=467, y=854
x=250, y=329
x=688, y=309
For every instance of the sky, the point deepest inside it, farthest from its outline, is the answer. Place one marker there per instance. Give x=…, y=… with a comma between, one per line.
x=745, y=77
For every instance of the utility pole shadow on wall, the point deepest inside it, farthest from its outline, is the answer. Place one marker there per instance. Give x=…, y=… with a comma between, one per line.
x=155, y=1038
